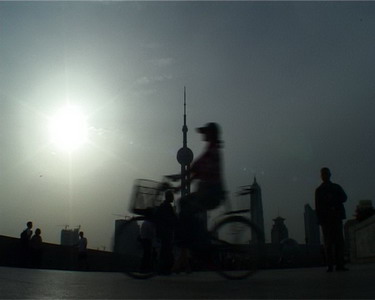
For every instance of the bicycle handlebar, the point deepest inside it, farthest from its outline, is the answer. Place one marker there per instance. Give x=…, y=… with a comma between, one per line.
x=173, y=177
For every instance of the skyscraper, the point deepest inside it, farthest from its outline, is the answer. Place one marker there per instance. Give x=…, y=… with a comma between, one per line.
x=69, y=237
x=256, y=205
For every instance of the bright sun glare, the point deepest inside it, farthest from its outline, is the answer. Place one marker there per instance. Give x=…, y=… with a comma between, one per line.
x=68, y=128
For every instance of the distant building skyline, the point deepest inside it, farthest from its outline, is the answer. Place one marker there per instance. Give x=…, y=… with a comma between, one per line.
x=69, y=237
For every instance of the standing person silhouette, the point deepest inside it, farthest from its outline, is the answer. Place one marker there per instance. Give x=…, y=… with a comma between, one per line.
x=36, y=244
x=166, y=221
x=329, y=205
x=82, y=251
x=25, y=238
x=147, y=237
x=207, y=170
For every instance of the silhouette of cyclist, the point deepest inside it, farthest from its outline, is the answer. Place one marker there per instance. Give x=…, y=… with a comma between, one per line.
x=207, y=170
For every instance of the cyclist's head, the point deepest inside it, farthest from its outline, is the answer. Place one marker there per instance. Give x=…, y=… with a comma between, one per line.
x=169, y=196
x=211, y=132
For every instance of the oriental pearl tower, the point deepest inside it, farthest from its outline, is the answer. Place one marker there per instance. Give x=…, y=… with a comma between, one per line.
x=185, y=157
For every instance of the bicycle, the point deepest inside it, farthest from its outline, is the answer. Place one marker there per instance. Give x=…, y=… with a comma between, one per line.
x=235, y=243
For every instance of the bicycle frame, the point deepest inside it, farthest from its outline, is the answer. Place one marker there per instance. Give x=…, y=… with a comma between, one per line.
x=230, y=255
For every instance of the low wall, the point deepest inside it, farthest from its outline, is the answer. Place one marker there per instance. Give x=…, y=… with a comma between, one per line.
x=56, y=257
x=66, y=258
x=362, y=241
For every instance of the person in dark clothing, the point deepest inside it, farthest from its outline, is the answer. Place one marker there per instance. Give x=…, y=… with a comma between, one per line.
x=207, y=171
x=36, y=245
x=82, y=252
x=329, y=205
x=25, y=238
x=166, y=221
x=147, y=238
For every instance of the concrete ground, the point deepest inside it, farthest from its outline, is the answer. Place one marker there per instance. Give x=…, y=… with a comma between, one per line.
x=305, y=283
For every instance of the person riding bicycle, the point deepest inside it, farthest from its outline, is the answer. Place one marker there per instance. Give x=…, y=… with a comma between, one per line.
x=207, y=169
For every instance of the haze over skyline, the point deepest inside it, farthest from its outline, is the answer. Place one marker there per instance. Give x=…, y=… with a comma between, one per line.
x=291, y=84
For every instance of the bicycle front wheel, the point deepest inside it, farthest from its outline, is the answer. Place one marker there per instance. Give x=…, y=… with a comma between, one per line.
x=237, y=247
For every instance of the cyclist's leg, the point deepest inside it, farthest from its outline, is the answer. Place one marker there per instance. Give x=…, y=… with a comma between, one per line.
x=166, y=253
x=188, y=207
x=182, y=262
x=193, y=216
x=186, y=231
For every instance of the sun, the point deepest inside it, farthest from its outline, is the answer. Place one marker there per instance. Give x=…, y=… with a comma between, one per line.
x=68, y=128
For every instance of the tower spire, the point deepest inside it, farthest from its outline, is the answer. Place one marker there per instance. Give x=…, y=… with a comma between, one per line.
x=185, y=156
x=184, y=128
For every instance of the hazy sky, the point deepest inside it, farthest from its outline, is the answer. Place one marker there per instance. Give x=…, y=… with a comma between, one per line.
x=291, y=83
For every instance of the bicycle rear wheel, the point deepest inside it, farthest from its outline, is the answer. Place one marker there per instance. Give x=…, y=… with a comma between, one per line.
x=137, y=258
x=237, y=247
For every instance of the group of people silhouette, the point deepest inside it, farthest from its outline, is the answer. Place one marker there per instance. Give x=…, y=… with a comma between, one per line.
x=31, y=246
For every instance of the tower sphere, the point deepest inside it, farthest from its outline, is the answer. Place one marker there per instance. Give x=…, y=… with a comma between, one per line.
x=185, y=156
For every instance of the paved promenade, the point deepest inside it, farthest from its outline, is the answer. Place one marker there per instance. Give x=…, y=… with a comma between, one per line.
x=314, y=283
